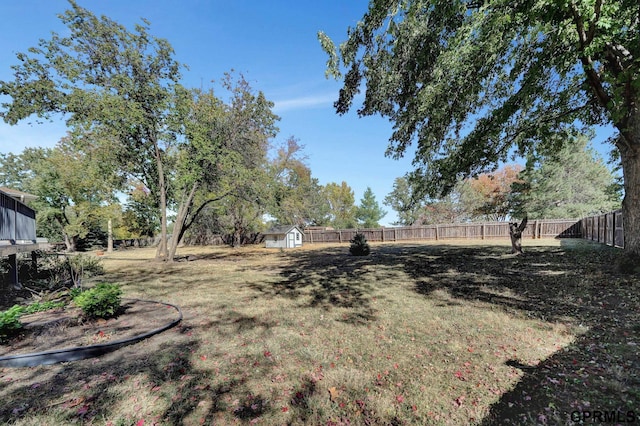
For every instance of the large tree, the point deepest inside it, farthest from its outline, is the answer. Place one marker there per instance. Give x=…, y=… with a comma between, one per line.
x=342, y=210
x=111, y=83
x=401, y=200
x=472, y=81
x=223, y=158
x=570, y=183
x=487, y=195
x=297, y=197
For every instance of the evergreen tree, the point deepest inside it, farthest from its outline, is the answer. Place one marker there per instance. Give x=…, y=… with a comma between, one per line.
x=572, y=182
x=369, y=211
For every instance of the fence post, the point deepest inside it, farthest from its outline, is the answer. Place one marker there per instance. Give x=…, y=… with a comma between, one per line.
x=340, y=235
x=436, y=232
x=13, y=271
x=482, y=232
x=613, y=234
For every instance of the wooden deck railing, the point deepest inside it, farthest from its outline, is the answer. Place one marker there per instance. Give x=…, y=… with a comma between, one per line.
x=17, y=221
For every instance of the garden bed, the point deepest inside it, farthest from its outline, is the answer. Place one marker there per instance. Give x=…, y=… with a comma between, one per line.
x=66, y=328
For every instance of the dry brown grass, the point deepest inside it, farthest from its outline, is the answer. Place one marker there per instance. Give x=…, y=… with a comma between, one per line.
x=412, y=334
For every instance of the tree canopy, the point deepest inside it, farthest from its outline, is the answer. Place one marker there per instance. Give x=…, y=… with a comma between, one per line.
x=297, y=197
x=485, y=197
x=475, y=82
x=114, y=85
x=342, y=210
x=74, y=192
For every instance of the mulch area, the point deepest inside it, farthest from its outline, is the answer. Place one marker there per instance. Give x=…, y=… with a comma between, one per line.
x=66, y=328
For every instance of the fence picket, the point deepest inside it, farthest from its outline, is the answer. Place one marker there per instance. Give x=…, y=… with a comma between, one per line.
x=563, y=228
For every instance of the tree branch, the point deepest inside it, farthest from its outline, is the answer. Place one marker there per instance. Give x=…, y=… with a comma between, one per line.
x=187, y=225
x=597, y=8
x=587, y=62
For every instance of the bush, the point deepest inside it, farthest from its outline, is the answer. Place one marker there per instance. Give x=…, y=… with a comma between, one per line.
x=10, y=321
x=359, y=245
x=43, y=306
x=68, y=270
x=102, y=301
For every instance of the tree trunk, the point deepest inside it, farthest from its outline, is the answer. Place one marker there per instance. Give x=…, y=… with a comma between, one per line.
x=515, y=232
x=109, y=236
x=630, y=156
x=179, y=224
x=71, y=243
x=162, y=252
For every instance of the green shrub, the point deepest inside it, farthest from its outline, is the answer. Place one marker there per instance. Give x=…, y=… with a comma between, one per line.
x=43, y=306
x=359, y=245
x=10, y=321
x=102, y=301
x=74, y=291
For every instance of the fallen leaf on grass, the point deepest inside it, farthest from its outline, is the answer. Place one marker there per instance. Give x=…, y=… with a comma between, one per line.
x=333, y=393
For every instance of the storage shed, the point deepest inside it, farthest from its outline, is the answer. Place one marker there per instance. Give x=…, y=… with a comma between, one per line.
x=285, y=236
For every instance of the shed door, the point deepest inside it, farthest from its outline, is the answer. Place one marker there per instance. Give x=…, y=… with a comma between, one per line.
x=291, y=242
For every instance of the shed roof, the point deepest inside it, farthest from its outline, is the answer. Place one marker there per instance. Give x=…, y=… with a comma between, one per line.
x=281, y=230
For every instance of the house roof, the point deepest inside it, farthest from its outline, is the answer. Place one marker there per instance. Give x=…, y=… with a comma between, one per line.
x=18, y=195
x=281, y=230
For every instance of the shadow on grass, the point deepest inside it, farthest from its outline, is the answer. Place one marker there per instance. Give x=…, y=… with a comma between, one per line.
x=327, y=278
x=162, y=368
x=575, y=284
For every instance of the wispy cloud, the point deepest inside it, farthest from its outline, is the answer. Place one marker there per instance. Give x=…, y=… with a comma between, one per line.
x=305, y=102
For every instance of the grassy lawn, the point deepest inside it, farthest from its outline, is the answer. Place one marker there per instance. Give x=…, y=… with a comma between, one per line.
x=412, y=334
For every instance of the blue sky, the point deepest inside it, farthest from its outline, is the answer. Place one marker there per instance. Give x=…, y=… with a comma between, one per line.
x=273, y=43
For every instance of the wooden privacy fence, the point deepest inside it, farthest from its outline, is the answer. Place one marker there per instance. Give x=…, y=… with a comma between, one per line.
x=606, y=228
x=562, y=228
